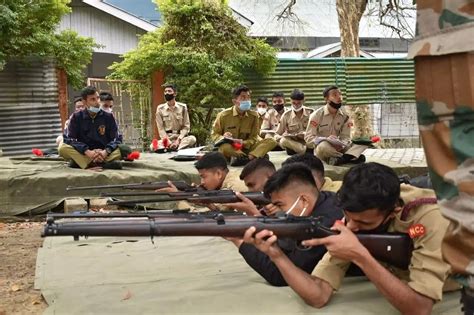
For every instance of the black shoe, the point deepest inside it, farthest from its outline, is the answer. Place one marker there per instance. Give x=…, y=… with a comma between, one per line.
x=113, y=165
x=239, y=160
x=73, y=164
x=290, y=152
x=359, y=160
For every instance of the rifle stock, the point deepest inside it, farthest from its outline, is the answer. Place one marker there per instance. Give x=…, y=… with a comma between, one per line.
x=392, y=248
x=180, y=185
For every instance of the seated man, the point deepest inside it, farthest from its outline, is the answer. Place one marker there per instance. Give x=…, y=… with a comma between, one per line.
x=373, y=202
x=92, y=137
x=293, y=190
x=292, y=126
x=262, y=108
x=240, y=126
x=329, y=132
x=317, y=168
x=272, y=118
x=172, y=121
x=78, y=106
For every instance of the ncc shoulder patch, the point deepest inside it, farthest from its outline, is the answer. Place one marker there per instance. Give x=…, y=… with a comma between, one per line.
x=416, y=230
x=314, y=123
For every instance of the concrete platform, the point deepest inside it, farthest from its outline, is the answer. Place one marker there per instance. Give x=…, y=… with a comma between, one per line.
x=36, y=185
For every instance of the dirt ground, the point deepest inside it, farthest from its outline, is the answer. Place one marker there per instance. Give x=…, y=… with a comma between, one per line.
x=19, y=243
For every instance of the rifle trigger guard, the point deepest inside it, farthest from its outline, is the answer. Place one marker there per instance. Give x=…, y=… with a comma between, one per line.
x=152, y=230
x=302, y=247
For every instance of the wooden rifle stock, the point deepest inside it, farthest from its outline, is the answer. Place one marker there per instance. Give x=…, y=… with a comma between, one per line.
x=392, y=248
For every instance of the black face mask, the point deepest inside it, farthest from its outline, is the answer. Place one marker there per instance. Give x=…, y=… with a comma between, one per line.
x=278, y=107
x=381, y=229
x=169, y=97
x=334, y=105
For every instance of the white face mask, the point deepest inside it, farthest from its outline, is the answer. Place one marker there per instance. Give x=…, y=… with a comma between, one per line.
x=261, y=110
x=108, y=109
x=297, y=109
x=294, y=205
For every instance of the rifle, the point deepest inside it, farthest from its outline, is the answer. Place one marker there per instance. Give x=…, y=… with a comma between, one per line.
x=198, y=196
x=181, y=185
x=392, y=248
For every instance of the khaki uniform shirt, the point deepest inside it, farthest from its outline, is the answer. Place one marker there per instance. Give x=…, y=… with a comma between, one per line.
x=172, y=120
x=323, y=124
x=233, y=182
x=271, y=119
x=427, y=273
x=245, y=127
x=291, y=124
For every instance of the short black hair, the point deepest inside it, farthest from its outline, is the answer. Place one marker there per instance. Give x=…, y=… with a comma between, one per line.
x=106, y=96
x=88, y=90
x=278, y=94
x=288, y=175
x=309, y=159
x=369, y=186
x=256, y=164
x=169, y=85
x=236, y=92
x=329, y=88
x=211, y=160
x=297, y=95
x=262, y=99
x=77, y=99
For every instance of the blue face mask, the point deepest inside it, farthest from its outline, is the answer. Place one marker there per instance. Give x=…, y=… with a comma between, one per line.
x=245, y=105
x=94, y=110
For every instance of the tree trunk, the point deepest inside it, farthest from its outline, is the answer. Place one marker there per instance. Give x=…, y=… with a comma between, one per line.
x=349, y=13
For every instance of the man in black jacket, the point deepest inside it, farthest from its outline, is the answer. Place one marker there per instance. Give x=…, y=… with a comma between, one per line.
x=293, y=190
x=91, y=139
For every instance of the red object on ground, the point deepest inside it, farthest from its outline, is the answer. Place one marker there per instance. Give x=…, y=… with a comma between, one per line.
x=154, y=144
x=135, y=155
x=37, y=152
x=166, y=142
x=237, y=145
x=375, y=139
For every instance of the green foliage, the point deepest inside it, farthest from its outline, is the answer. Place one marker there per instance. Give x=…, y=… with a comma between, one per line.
x=27, y=28
x=203, y=50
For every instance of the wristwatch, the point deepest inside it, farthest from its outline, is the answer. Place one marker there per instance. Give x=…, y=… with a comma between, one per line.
x=108, y=150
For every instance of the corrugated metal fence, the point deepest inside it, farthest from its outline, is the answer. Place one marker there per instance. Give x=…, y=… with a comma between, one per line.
x=29, y=115
x=362, y=81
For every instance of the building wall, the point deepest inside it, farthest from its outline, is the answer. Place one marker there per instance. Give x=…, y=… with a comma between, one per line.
x=116, y=36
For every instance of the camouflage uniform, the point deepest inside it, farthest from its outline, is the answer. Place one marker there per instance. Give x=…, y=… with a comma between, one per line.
x=444, y=69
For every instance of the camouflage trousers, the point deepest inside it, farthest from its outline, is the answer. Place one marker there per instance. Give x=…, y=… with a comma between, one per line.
x=445, y=105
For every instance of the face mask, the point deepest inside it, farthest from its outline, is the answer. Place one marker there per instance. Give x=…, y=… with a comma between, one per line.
x=334, y=105
x=261, y=110
x=245, y=105
x=294, y=205
x=297, y=109
x=169, y=97
x=107, y=110
x=94, y=110
x=278, y=107
x=382, y=228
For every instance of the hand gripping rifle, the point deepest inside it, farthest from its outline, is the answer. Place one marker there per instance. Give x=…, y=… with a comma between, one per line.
x=198, y=196
x=392, y=248
x=180, y=185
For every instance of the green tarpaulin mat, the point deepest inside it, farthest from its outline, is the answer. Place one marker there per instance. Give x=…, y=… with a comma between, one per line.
x=180, y=275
